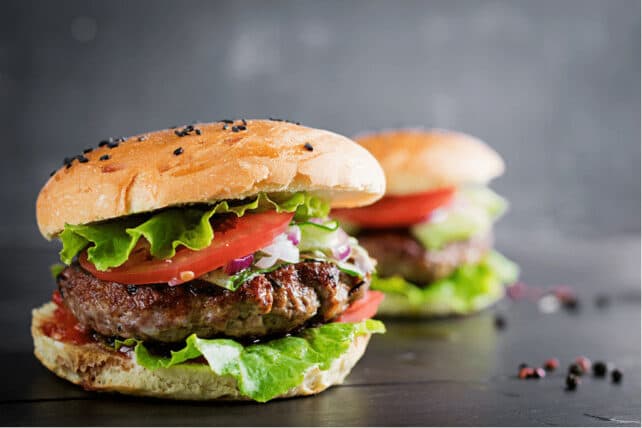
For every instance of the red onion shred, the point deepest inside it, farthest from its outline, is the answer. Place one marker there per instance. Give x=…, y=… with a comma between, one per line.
x=237, y=265
x=294, y=235
x=341, y=252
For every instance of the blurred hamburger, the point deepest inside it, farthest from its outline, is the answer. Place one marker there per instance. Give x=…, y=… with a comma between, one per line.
x=200, y=263
x=432, y=232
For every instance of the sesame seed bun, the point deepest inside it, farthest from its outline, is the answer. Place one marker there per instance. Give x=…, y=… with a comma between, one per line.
x=416, y=161
x=206, y=162
x=97, y=368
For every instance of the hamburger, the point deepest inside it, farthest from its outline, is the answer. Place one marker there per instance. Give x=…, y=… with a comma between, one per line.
x=432, y=232
x=200, y=263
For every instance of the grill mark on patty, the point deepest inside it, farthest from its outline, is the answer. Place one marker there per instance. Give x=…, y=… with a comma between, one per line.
x=269, y=304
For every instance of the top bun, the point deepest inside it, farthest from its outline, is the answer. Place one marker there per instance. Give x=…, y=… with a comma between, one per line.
x=416, y=161
x=206, y=162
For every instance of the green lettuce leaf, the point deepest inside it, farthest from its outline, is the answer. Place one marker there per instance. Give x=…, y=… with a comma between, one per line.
x=111, y=242
x=264, y=370
x=56, y=269
x=468, y=289
x=233, y=282
x=483, y=207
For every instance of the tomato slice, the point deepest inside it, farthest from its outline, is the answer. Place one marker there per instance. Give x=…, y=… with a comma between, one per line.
x=64, y=326
x=363, y=308
x=397, y=211
x=234, y=237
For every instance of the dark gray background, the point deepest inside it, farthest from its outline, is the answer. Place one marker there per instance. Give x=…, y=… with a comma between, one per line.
x=553, y=85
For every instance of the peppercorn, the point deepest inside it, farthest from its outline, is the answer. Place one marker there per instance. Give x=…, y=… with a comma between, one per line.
x=538, y=373
x=616, y=376
x=602, y=301
x=575, y=369
x=572, y=382
x=551, y=364
x=584, y=363
x=525, y=373
x=599, y=369
x=571, y=303
x=500, y=322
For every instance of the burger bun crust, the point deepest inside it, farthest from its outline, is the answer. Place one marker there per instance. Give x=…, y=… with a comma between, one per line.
x=417, y=161
x=160, y=169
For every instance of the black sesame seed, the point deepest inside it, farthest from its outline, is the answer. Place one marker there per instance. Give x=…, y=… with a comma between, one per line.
x=189, y=128
x=308, y=147
x=142, y=138
x=198, y=132
x=225, y=128
x=82, y=159
x=178, y=151
x=103, y=143
x=68, y=166
x=52, y=173
x=120, y=139
x=104, y=157
x=87, y=150
x=242, y=127
x=235, y=129
x=599, y=369
x=616, y=376
x=572, y=381
x=227, y=121
x=112, y=144
x=244, y=122
x=67, y=161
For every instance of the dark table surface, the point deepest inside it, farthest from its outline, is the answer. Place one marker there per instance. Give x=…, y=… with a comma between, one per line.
x=444, y=372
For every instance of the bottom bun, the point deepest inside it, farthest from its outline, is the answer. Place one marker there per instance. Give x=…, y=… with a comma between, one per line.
x=96, y=368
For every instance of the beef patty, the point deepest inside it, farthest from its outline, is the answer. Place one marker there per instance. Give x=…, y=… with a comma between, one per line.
x=272, y=303
x=399, y=253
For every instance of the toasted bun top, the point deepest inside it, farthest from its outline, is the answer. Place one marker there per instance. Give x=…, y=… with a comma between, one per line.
x=206, y=162
x=418, y=161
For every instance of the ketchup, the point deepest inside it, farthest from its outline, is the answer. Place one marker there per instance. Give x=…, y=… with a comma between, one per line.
x=64, y=326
